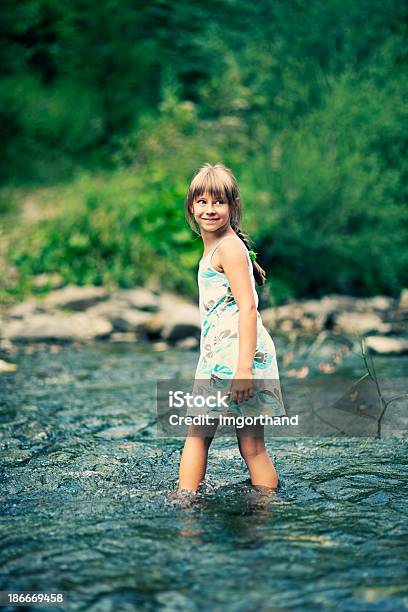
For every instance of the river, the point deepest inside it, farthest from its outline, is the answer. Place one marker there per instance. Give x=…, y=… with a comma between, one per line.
x=87, y=507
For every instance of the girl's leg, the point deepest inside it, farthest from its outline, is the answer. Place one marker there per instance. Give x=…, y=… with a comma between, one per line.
x=252, y=448
x=193, y=462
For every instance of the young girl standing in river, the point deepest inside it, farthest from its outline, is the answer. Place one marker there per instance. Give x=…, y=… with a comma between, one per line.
x=234, y=343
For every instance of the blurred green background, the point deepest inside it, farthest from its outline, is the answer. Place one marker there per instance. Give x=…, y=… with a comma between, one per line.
x=107, y=108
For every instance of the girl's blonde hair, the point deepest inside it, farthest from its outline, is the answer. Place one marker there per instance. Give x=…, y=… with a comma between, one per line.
x=219, y=182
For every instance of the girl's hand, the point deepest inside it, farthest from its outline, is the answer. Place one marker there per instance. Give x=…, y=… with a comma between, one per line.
x=242, y=386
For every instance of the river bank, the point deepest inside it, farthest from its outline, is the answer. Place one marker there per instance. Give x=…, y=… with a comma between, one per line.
x=81, y=314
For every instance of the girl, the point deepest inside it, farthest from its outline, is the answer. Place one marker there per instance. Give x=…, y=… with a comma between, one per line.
x=234, y=343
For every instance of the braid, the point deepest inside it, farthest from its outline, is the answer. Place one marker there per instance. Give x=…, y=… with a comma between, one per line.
x=259, y=273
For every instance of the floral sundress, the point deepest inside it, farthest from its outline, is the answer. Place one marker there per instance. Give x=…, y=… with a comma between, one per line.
x=219, y=345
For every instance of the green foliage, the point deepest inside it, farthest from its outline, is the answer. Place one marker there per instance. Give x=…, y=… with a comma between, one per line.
x=337, y=214
x=115, y=231
x=121, y=104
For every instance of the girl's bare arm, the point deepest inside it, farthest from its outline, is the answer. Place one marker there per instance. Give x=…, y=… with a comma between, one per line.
x=235, y=266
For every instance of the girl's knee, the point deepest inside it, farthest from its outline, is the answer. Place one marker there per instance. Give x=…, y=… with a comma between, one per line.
x=250, y=447
x=199, y=441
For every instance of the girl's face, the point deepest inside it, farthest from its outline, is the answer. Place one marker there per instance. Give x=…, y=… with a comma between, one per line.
x=210, y=213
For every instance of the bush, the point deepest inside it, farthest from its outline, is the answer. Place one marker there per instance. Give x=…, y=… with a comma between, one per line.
x=114, y=231
x=336, y=218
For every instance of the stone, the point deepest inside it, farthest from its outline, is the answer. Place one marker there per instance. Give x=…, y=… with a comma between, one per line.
x=7, y=346
x=286, y=326
x=176, y=319
x=292, y=311
x=53, y=279
x=189, y=343
x=140, y=298
x=123, y=318
x=310, y=315
x=5, y=366
x=23, y=310
x=73, y=297
x=269, y=317
x=317, y=308
x=386, y=345
x=130, y=320
x=380, y=302
x=360, y=323
x=308, y=324
x=160, y=346
x=123, y=337
x=403, y=300
x=336, y=302
x=60, y=327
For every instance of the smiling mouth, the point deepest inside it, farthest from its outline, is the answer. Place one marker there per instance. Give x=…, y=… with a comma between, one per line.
x=211, y=219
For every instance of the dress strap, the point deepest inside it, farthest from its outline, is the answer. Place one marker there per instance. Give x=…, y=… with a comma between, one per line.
x=217, y=245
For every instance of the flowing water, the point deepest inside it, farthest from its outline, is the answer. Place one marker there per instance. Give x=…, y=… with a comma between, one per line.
x=87, y=505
